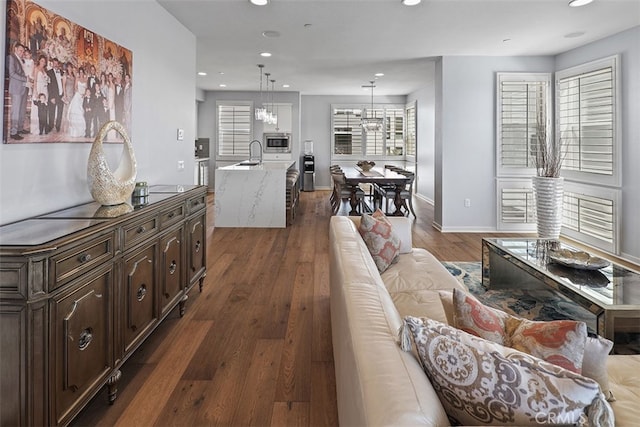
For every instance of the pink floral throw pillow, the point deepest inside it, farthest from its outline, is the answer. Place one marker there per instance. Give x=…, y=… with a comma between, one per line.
x=473, y=317
x=382, y=242
x=560, y=342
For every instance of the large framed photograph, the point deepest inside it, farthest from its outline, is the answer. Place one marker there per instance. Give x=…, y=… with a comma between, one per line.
x=63, y=82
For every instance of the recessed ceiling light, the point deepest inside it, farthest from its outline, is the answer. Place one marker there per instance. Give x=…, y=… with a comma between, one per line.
x=379, y=74
x=578, y=3
x=308, y=25
x=574, y=35
x=285, y=85
x=221, y=73
x=202, y=73
x=265, y=54
x=506, y=40
x=411, y=2
x=259, y=2
x=222, y=85
x=270, y=34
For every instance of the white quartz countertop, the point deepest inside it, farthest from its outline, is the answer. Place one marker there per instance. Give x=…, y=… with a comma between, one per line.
x=265, y=165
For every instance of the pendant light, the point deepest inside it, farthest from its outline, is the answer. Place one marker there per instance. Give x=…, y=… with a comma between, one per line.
x=274, y=116
x=267, y=114
x=261, y=112
x=372, y=124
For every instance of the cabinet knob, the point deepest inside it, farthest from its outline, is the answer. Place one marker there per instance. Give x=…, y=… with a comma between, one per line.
x=171, y=215
x=85, y=338
x=84, y=258
x=141, y=229
x=172, y=267
x=197, y=246
x=142, y=292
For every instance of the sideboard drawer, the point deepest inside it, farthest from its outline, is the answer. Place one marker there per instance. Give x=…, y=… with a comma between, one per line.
x=197, y=203
x=140, y=231
x=80, y=259
x=172, y=216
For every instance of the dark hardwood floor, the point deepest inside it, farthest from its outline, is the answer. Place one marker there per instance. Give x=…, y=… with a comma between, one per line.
x=254, y=348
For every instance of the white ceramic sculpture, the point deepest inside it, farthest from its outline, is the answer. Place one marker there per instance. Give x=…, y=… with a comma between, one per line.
x=111, y=188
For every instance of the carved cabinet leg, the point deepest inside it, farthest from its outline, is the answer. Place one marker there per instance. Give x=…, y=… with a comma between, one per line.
x=112, y=386
x=183, y=303
x=201, y=283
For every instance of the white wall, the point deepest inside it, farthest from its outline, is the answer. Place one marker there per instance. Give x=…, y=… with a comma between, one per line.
x=39, y=178
x=465, y=137
x=627, y=44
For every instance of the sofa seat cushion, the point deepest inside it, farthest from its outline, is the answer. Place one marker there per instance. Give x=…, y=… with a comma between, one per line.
x=624, y=380
x=483, y=383
x=418, y=270
x=425, y=303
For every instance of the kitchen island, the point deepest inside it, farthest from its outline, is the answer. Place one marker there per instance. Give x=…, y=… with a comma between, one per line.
x=251, y=194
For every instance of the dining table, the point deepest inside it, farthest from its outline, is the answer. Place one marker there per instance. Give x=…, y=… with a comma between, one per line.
x=355, y=175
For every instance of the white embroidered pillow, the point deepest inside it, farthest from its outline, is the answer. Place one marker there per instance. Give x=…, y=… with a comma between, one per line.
x=381, y=240
x=483, y=383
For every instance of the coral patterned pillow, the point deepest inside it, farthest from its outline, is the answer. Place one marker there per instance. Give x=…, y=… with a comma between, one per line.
x=473, y=317
x=483, y=383
x=382, y=242
x=560, y=342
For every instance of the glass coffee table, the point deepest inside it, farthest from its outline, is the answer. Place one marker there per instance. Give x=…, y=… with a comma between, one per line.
x=611, y=293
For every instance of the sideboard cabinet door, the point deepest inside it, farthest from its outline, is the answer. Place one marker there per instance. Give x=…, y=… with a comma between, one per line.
x=172, y=277
x=197, y=247
x=81, y=342
x=139, y=310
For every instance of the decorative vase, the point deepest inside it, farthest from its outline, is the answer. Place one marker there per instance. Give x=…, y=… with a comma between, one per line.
x=111, y=188
x=548, y=193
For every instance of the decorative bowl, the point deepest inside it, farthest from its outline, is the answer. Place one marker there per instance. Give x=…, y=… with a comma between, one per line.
x=578, y=259
x=366, y=165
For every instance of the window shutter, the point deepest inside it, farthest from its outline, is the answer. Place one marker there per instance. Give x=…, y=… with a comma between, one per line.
x=234, y=129
x=347, y=131
x=522, y=104
x=586, y=121
x=590, y=214
x=410, y=132
x=516, y=205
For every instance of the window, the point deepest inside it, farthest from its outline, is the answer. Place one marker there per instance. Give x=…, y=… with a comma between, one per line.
x=350, y=140
x=234, y=128
x=586, y=104
x=410, y=131
x=523, y=105
x=590, y=215
x=516, y=205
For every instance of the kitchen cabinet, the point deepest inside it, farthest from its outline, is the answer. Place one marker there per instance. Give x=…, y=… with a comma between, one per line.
x=82, y=288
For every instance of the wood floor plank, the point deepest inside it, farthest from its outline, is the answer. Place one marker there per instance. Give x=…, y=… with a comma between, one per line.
x=323, y=389
x=322, y=348
x=291, y=414
x=256, y=405
x=294, y=378
x=162, y=381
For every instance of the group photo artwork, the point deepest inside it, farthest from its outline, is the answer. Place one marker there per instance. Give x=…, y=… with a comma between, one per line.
x=63, y=82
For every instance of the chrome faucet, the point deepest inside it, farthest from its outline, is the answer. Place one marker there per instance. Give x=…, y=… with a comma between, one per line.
x=250, y=151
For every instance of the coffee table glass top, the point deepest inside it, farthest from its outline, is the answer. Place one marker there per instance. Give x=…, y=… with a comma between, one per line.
x=613, y=285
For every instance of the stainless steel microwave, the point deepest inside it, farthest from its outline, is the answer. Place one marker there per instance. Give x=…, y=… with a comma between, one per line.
x=277, y=142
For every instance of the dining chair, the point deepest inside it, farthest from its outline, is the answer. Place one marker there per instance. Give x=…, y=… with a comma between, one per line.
x=342, y=192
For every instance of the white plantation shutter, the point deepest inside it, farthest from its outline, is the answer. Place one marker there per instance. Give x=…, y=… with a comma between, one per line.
x=586, y=99
x=349, y=139
x=516, y=205
x=523, y=102
x=590, y=214
x=347, y=131
x=234, y=129
x=410, y=131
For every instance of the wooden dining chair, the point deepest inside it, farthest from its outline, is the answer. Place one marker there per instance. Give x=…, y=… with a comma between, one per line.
x=342, y=192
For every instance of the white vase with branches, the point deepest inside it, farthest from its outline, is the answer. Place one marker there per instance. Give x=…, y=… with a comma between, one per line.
x=548, y=185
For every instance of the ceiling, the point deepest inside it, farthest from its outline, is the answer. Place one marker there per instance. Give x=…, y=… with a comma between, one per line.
x=333, y=47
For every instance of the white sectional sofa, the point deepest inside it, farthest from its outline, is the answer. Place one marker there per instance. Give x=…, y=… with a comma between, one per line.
x=377, y=383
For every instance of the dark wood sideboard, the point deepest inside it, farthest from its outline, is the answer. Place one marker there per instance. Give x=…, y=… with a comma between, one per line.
x=82, y=288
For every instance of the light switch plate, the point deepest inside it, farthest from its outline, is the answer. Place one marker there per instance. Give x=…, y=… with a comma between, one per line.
x=180, y=134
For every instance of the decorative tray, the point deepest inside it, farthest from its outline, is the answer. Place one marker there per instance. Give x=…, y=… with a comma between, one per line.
x=578, y=259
